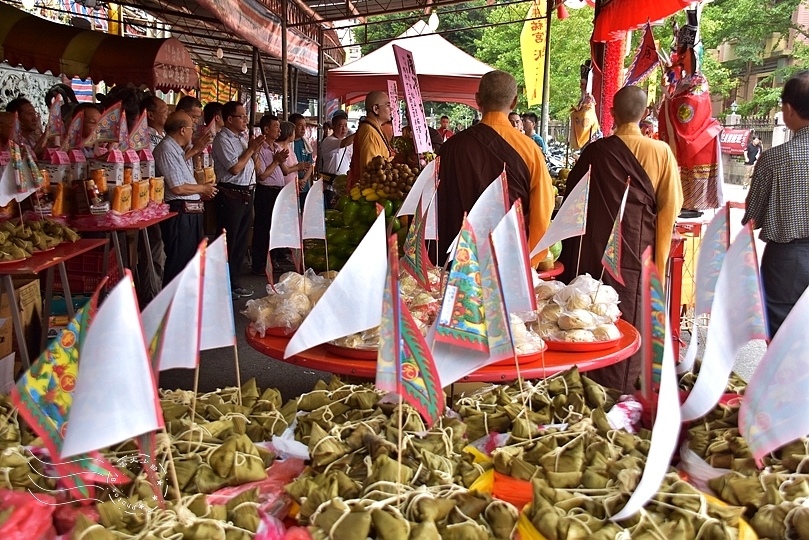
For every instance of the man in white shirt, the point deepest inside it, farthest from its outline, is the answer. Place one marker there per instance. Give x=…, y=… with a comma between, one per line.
x=336, y=149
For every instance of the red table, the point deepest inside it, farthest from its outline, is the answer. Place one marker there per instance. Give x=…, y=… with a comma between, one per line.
x=554, y=362
x=39, y=262
x=112, y=231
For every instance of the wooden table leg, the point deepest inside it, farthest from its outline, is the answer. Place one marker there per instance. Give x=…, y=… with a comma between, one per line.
x=14, y=307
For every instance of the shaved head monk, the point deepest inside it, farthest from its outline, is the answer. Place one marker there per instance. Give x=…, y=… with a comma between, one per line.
x=654, y=201
x=370, y=140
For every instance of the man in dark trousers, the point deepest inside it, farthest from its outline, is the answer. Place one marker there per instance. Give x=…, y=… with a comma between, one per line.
x=778, y=203
x=654, y=201
x=235, y=168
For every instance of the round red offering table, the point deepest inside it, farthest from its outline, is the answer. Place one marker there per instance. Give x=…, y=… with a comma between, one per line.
x=540, y=366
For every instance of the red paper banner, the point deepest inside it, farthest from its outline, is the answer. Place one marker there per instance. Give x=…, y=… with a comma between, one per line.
x=734, y=141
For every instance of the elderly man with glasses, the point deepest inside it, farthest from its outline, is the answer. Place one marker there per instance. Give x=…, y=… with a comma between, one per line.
x=234, y=165
x=182, y=233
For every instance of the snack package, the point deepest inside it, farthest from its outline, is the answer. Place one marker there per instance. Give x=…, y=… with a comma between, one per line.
x=140, y=195
x=122, y=199
x=156, y=190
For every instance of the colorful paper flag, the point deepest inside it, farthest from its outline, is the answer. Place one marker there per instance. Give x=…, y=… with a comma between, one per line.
x=314, y=217
x=570, y=220
x=109, y=126
x=513, y=265
x=44, y=397
x=218, y=327
x=415, y=260
x=353, y=301
x=123, y=134
x=774, y=405
x=404, y=364
x=176, y=312
x=488, y=210
x=112, y=403
x=611, y=260
x=453, y=362
x=666, y=429
x=737, y=316
x=462, y=318
x=32, y=178
x=73, y=137
x=712, y=251
x=55, y=126
x=139, y=138
x=11, y=178
x=645, y=60
x=653, y=327
x=285, y=225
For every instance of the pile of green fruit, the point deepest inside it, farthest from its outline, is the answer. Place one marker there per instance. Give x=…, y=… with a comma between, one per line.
x=383, y=179
x=346, y=226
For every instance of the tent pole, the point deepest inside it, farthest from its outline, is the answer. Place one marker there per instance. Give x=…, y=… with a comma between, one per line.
x=546, y=78
x=264, y=81
x=253, y=102
x=321, y=77
x=284, y=63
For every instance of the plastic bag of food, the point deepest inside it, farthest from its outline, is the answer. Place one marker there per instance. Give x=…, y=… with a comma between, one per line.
x=545, y=290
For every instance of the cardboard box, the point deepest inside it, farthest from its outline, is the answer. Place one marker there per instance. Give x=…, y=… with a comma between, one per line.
x=29, y=304
x=146, y=163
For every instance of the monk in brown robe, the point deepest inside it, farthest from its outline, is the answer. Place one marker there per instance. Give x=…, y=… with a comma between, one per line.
x=654, y=201
x=474, y=158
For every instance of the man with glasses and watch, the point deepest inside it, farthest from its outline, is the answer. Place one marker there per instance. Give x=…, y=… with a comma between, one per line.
x=234, y=165
x=370, y=140
x=182, y=233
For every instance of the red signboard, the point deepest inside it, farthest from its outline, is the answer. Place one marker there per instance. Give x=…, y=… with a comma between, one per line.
x=734, y=141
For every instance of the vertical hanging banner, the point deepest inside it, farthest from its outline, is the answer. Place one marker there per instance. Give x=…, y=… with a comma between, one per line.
x=395, y=111
x=412, y=97
x=532, y=45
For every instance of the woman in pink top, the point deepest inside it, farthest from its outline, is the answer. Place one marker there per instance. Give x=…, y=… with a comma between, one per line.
x=290, y=167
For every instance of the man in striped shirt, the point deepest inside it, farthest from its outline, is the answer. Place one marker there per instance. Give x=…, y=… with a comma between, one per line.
x=778, y=203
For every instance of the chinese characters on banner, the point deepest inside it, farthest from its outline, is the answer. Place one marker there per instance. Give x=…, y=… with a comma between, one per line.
x=395, y=112
x=734, y=141
x=532, y=46
x=412, y=96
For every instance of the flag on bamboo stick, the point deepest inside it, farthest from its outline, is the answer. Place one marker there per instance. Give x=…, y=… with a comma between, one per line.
x=513, y=265
x=109, y=126
x=773, y=410
x=666, y=428
x=462, y=319
x=488, y=210
x=314, y=216
x=611, y=260
x=428, y=176
x=218, y=327
x=44, y=397
x=55, y=126
x=570, y=220
x=737, y=316
x=123, y=134
x=653, y=327
x=139, y=138
x=112, y=403
x=405, y=364
x=415, y=260
x=645, y=60
x=176, y=311
x=353, y=301
x=285, y=225
x=73, y=134
x=712, y=251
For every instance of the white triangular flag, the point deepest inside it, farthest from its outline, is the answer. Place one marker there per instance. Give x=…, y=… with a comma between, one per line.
x=487, y=211
x=571, y=220
x=182, y=301
x=427, y=178
x=712, y=251
x=314, y=216
x=285, y=227
x=773, y=410
x=429, y=200
x=737, y=317
x=665, y=433
x=353, y=301
x=115, y=396
x=218, y=326
x=513, y=264
x=8, y=187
